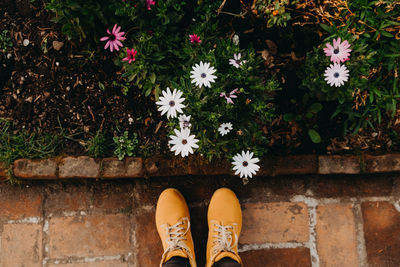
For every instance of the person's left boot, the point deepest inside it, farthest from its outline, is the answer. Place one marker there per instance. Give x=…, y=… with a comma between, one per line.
x=173, y=226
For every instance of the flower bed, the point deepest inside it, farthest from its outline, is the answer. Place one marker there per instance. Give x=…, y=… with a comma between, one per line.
x=222, y=79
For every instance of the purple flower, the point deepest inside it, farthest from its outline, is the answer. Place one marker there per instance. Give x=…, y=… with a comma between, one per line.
x=149, y=3
x=229, y=96
x=194, y=39
x=130, y=55
x=114, y=38
x=339, y=52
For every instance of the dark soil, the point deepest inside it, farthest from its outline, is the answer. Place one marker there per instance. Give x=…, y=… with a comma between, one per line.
x=53, y=89
x=48, y=90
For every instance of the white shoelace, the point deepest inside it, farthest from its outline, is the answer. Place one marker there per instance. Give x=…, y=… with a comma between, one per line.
x=176, y=237
x=224, y=241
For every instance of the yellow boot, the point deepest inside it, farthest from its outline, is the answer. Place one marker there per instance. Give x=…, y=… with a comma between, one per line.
x=173, y=226
x=224, y=226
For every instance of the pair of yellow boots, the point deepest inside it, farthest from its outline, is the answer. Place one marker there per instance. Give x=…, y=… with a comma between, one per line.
x=224, y=224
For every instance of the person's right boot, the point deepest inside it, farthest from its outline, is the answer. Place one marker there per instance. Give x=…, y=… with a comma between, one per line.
x=224, y=226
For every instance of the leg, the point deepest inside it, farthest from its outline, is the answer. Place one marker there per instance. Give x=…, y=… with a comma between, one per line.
x=177, y=262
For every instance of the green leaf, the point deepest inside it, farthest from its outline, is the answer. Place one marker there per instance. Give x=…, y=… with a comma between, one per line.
x=288, y=117
x=314, y=136
x=315, y=108
x=325, y=27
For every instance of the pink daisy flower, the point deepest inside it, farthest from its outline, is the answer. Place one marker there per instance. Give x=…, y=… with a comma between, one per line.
x=229, y=96
x=114, y=38
x=150, y=3
x=339, y=52
x=194, y=39
x=130, y=55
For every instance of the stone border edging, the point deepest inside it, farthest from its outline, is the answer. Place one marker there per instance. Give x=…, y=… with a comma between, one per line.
x=111, y=168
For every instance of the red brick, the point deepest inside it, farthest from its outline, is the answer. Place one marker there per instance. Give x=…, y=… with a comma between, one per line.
x=35, y=169
x=149, y=247
x=382, y=233
x=285, y=257
x=111, y=197
x=88, y=236
x=20, y=202
x=382, y=163
x=360, y=185
x=158, y=166
x=267, y=165
x=301, y=164
x=127, y=168
x=336, y=235
x=93, y=264
x=274, y=222
x=21, y=245
x=68, y=198
x=79, y=167
x=338, y=164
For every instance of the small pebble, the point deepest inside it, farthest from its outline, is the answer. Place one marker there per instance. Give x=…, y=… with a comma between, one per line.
x=68, y=88
x=9, y=55
x=26, y=42
x=57, y=63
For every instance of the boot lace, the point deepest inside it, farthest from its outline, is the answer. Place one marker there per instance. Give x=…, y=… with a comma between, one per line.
x=224, y=241
x=176, y=237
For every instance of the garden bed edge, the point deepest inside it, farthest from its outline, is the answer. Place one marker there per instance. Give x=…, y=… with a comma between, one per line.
x=134, y=167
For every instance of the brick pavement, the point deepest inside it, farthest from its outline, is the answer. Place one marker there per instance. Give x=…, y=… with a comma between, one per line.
x=308, y=220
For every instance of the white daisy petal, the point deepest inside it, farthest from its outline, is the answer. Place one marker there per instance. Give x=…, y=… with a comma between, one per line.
x=170, y=103
x=202, y=74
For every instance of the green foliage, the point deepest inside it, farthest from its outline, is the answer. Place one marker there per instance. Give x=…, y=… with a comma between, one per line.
x=24, y=145
x=274, y=11
x=97, y=145
x=5, y=41
x=84, y=18
x=125, y=146
x=372, y=90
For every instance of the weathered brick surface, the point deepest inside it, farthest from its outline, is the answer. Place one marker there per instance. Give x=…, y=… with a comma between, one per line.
x=274, y=222
x=382, y=233
x=21, y=245
x=79, y=167
x=336, y=235
x=382, y=163
x=127, y=168
x=92, y=264
x=68, y=198
x=35, y=169
x=158, y=166
x=88, y=236
x=301, y=164
x=360, y=185
x=285, y=257
x=107, y=197
x=338, y=164
x=20, y=202
x=149, y=247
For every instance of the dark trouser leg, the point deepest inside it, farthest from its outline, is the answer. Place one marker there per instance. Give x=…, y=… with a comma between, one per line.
x=177, y=262
x=226, y=262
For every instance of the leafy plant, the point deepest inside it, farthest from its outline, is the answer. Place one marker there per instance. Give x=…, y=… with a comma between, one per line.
x=125, y=146
x=97, y=146
x=5, y=41
x=274, y=11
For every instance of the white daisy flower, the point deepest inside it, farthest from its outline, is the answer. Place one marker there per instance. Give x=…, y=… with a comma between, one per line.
x=235, y=39
x=336, y=74
x=203, y=74
x=184, y=121
x=225, y=128
x=171, y=103
x=245, y=164
x=183, y=142
x=236, y=61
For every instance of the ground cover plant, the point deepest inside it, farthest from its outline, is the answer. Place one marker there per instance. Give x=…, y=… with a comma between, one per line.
x=221, y=79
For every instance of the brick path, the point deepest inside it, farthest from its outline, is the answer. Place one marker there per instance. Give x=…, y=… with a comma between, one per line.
x=288, y=221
